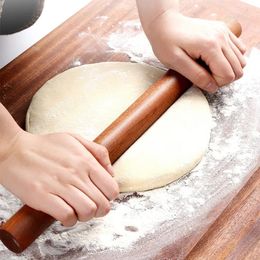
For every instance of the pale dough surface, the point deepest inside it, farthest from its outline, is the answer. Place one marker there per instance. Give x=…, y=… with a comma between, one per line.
x=86, y=99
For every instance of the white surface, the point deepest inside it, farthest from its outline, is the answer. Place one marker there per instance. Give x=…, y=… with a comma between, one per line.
x=252, y=2
x=79, y=100
x=54, y=13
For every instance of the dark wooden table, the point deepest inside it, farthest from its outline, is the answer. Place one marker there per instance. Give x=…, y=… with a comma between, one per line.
x=236, y=233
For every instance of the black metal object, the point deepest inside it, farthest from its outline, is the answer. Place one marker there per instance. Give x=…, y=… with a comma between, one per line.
x=19, y=14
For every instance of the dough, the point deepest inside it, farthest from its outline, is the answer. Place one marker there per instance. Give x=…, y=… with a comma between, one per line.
x=86, y=99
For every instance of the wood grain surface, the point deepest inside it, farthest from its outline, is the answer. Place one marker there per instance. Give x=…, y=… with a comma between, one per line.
x=235, y=234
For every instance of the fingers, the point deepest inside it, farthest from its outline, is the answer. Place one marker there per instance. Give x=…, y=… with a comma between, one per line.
x=83, y=206
x=87, y=187
x=238, y=43
x=85, y=198
x=239, y=55
x=98, y=151
x=103, y=181
x=58, y=209
x=98, y=174
x=233, y=61
x=225, y=66
x=228, y=65
x=190, y=69
x=91, y=181
x=93, y=170
x=219, y=66
x=81, y=188
x=96, y=195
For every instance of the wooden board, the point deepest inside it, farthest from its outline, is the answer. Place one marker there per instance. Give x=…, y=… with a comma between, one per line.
x=236, y=233
x=20, y=79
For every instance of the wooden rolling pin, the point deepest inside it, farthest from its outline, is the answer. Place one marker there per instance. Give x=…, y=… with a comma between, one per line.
x=27, y=224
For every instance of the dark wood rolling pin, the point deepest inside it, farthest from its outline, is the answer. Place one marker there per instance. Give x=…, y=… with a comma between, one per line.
x=27, y=224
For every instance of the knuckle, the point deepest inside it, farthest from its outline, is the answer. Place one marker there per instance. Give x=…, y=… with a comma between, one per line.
x=103, y=209
x=201, y=79
x=176, y=55
x=72, y=171
x=211, y=43
x=229, y=77
x=92, y=209
x=67, y=217
x=25, y=154
x=220, y=36
x=36, y=187
x=90, y=212
x=103, y=152
x=81, y=162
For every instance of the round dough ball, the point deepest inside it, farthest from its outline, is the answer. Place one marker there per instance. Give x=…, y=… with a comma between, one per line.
x=86, y=99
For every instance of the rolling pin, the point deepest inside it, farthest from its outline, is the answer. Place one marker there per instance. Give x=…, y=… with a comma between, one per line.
x=27, y=224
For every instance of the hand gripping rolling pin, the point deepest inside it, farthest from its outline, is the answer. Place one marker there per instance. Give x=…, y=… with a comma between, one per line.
x=27, y=224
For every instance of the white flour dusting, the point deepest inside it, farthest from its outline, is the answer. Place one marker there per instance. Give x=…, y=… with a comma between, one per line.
x=255, y=3
x=131, y=40
x=181, y=208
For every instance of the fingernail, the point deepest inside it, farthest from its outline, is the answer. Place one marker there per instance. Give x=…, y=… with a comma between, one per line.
x=243, y=48
x=111, y=170
x=212, y=87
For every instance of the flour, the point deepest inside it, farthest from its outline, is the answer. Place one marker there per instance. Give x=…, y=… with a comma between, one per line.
x=131, y=40
x=181, y=208
x=255, y=3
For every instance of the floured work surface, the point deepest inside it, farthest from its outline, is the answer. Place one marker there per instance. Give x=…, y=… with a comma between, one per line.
x=141, y=225
x=178, y=209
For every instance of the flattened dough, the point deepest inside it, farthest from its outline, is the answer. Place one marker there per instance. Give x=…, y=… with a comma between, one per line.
x=86, y=99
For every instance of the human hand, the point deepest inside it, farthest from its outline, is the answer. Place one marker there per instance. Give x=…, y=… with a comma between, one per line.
x=63, y=175
x=178, y=41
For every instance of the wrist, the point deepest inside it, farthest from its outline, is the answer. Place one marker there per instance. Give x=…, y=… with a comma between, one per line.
x=151, y=10
x=160, y=24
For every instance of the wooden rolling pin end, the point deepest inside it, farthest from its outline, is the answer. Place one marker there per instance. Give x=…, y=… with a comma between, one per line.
x=14, y=233
x=10, y=242
x=234, y=27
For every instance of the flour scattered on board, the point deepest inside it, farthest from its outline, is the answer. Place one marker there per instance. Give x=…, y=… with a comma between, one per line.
x=233, y=154
x=131, y=40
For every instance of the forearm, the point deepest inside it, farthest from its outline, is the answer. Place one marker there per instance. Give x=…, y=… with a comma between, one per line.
x=8, y=129
x=149, y=10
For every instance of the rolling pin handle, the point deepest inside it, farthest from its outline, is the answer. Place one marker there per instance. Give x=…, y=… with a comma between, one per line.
x=23, y=228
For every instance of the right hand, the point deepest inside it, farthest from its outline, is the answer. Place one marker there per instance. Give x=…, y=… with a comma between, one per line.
x=63, y=175
x=179, y=41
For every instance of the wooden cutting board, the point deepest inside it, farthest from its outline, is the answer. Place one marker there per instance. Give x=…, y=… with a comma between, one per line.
x=236, y=231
